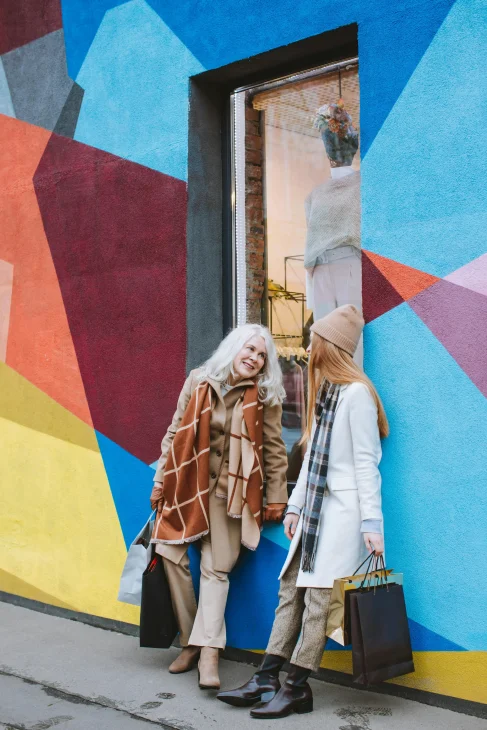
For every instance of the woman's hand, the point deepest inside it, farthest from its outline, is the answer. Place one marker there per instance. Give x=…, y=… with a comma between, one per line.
x=374, y=542
x=273, y=512
x=290, y=523
x=156, y=498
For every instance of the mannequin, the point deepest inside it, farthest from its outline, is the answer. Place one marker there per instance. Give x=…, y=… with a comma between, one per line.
x=339, y=172
x=333, y=248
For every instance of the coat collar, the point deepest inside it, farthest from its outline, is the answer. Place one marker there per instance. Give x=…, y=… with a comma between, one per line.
x=216, y=385
x=343, y=388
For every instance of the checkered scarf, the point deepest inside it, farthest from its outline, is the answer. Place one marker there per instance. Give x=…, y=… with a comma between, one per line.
x=185, y=514
x=326, y=405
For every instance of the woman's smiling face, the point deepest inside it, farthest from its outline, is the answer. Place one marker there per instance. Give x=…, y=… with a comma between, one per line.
x=251, y=358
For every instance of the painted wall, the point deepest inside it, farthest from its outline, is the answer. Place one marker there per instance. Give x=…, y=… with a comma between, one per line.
x=93, y=136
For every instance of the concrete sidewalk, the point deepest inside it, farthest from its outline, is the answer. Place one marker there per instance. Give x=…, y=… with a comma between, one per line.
x=59, y=673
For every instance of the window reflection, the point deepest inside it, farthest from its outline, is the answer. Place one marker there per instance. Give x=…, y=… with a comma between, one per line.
x=302, y=219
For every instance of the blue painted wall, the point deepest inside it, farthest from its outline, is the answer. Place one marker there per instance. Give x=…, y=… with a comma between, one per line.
x=423, y=142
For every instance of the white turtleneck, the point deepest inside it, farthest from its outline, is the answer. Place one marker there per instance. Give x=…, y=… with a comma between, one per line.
x=339, y=172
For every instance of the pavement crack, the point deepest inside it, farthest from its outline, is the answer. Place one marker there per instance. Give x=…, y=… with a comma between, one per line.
x=73, y=697
x=52, y=722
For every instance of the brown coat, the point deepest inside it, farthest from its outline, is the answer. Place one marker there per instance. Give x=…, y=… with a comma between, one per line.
x=225, y=531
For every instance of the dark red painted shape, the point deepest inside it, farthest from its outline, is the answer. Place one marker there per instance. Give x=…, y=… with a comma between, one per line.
x=23, y=21
x=116, y=231
x=378, y=296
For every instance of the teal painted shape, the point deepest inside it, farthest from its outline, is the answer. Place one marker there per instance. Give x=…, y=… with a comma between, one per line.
x=81, y=20
x=218, y=33
x=275, y=533
x=135, y=78
x=423, y=197
x=131, y=484
x=433, y=470
x=6, y=106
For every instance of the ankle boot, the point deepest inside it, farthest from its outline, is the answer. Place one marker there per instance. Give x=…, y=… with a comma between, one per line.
x=261, y=687
x=294, y=696
x=186, y=660
x=208, y=677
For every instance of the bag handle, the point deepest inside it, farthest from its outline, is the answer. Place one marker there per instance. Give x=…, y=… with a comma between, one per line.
x=369, y=559
x=380, y=571
x=368, y=575
x=375, y=564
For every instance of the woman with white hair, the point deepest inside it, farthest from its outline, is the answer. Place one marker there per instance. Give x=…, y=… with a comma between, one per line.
x=224, y=438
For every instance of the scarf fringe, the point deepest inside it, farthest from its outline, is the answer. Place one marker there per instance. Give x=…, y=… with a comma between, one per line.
x=180, y=542
x=308, y=561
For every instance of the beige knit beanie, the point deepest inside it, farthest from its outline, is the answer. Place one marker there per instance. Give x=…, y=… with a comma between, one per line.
x=342, y=327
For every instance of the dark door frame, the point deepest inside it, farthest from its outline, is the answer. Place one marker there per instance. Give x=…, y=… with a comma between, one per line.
x=209, y=225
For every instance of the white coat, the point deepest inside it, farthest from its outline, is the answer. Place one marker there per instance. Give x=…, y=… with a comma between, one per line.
x=353, y=490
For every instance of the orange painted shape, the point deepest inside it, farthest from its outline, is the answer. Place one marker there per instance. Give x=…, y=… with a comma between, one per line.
x=406, y=281
x=40, y=346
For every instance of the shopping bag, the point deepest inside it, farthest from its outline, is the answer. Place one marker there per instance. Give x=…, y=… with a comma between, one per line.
x=138, y=556
x=381, y=644
x=158, y=625
x=338, y=621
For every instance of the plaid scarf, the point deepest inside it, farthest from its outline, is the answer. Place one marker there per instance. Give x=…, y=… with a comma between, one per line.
x=185, y=514
x=326, y=405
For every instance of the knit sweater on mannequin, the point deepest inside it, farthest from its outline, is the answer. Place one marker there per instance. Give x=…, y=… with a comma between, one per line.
x=333, y=217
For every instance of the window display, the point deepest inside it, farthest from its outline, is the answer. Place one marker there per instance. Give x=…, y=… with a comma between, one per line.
x=297, y=216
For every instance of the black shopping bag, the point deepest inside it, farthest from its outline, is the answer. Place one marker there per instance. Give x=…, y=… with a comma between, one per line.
x=381, y=645
x=158, y=626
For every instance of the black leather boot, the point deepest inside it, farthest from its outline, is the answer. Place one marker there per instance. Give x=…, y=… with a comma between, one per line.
x=294, y=696
x=261, y=687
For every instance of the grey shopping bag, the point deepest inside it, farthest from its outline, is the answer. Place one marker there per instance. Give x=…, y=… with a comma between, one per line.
x=138, y=557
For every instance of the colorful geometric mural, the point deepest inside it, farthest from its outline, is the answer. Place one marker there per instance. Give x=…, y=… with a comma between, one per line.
x=93, y=141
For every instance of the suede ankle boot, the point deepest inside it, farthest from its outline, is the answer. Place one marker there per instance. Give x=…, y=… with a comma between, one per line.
x=294, y=696
x=208, y=676
x=261, y=687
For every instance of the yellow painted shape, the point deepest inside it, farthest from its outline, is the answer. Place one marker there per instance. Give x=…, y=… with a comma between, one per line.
x=452, y=673
x=11, y=584
x=59, y=530
x=22, y=402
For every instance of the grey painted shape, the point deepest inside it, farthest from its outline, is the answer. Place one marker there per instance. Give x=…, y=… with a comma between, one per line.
x=38, y=79
x=66, y=124
x=204, y=231
x=6, y=106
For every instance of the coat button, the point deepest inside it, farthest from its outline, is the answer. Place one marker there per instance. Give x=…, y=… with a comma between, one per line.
x=222, y=432
x=218, y=453
x=213, y=475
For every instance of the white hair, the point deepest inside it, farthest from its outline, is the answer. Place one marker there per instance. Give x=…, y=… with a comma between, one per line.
x=220, y=365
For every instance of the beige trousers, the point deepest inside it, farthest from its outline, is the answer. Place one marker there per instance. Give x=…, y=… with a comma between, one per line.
x=299, y=629
x=202, y=624
x=333, y=284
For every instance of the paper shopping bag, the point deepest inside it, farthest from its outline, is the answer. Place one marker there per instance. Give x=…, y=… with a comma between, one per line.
x=138, y=556
x=381, y=644
x=158, y=625
x=338, y=622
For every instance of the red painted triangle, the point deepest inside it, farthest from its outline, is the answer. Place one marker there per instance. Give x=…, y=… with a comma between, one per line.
x=378, y=295
x=406, y=281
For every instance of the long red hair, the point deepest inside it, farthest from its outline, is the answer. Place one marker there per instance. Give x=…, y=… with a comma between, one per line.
x=337, y=366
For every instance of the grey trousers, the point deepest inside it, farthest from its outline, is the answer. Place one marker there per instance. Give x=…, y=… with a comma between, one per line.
x=298, y=632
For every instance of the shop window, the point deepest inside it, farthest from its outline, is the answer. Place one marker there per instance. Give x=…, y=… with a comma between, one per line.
x=296, y=215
